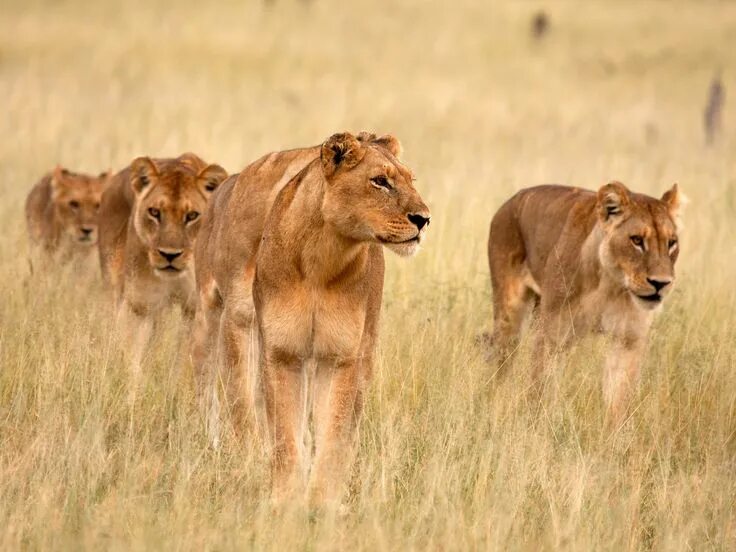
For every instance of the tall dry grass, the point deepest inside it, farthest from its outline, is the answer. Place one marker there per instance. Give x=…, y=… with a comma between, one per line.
x=449, y=456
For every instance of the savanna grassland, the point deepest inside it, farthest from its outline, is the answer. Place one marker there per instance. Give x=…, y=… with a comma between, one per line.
x=450, y=456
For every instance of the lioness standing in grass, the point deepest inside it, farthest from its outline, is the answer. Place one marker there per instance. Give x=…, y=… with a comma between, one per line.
x=61, y=213
x=149, y=219
x=595, y=262
x=317, y=278
x=225, y=268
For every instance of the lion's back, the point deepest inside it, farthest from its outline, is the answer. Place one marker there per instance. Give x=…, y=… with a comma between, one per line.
x=551, y=216
x=237, y=214
x=115, y=208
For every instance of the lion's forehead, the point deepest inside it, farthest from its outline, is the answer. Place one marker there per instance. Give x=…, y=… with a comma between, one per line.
x=83, y=194
x=176, y=193
x=400, y=170
x=653, y=217
x=81, y=182
x=383, y=158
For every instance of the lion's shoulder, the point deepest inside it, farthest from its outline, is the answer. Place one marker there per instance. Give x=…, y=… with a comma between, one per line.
x=39, y=209
x=39, y=196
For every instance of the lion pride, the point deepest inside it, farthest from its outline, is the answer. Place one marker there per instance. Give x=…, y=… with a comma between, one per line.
x=292, y=250
x=599, y=262
x=61, y=212
x=149, y=218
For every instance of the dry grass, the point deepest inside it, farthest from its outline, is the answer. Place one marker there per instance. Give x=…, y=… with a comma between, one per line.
x=449, y=457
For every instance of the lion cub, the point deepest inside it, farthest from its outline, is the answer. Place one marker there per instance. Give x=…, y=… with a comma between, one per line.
x=599, y=262
x=149, y=218
x=61, y=213
x=306, y=229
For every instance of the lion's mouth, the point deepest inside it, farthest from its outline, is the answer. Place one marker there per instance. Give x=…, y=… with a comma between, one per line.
x=415, y=239
x=171, y=269
x=653, y=298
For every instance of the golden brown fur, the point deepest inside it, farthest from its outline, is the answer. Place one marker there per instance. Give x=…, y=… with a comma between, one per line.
x=594, y=262
x=61, y=213
x=304, y=230
x=149, y=218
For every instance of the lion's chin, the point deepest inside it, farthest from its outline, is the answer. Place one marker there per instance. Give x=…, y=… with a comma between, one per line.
x=648, y=302
x=404, y=249
x=169, y=272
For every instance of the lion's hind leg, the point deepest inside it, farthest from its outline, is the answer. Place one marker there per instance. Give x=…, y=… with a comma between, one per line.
x=204, y=358
x=238, y=353
x=514, y=290
x=513, y=300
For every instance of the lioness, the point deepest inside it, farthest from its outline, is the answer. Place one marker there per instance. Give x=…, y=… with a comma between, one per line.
x=306, y=227
x=594, y=262
x=61, y=212
x=149, y=218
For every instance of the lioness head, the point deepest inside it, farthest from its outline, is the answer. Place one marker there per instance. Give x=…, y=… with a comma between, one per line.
x=369, y=194
x=76, y=199
x=170, y=199
x=640, y=246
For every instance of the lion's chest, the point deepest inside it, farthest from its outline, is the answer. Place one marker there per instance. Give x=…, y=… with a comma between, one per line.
x=313, y=323
x=159, y=292
x=615, y=316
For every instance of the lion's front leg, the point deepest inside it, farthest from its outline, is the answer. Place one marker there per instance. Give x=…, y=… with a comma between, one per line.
x=136, y=325
x=285, y=402
x=338, y=403
x=553, y=337
x=621, y=377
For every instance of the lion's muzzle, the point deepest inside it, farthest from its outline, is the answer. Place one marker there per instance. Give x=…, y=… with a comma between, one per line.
x=170, y=261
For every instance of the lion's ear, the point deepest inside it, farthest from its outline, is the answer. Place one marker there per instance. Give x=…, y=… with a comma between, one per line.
x=144, y=173
x=613, y=199
x=391, y=143
x=340, y=151
x=210, y=178
x=192, y=160
x=58, y=176
x=675, y=201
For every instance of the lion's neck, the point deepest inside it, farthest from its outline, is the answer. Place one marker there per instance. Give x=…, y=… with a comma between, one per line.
x=590, y=261
x=595, y=278
x=322, y=254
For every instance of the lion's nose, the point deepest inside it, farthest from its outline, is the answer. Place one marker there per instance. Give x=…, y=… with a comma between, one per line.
x=169, y=255
x=420, y=221
x=87, y=231
x=659, y=283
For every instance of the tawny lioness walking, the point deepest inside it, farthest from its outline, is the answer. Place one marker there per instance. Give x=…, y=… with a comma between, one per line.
x=149, y=219
x=598, y=262
x=304, y=230
x=61, y=213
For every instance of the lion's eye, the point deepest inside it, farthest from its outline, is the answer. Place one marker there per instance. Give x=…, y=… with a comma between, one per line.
x=638, y=241
x=672, y=244
x=155, y=213
x=74, y=204
x=192, y=215
x=381, y=182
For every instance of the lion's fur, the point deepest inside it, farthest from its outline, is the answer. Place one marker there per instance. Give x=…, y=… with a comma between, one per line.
x=572, y=252
x=61, y=212
x=298, y=258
